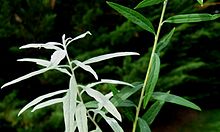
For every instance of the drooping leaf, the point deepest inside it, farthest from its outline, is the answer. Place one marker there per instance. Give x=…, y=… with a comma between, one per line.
x=187, y=18
x=63, y=70
x=110, y=81
x=104, y=101
x=133, y=16
x=112, y=122
x=152, y=112
x=29, y=75
x=108, y=56
x=146, y=3
x=47, y=103
x=81, y=118
x=152, y=80
x=174, y=99
x=57, y=57
x=125, y=93
x=69, y=106
x=86, y=67
x=144, y=127
x=78, y=37
x=164, y=41
x=39, y=99
x=49, y=45
x=41, y=62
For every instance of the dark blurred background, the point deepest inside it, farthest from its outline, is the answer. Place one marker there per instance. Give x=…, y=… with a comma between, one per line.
x=190, y=64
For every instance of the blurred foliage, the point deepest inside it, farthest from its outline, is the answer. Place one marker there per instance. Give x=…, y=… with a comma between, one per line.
x=189, y=65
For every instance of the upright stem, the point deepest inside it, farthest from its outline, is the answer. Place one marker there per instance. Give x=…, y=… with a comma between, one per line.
x=149, y=66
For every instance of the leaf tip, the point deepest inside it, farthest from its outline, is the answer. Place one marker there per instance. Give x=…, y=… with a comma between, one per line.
x=20, y=112
x=136, y=7
x=88, y=32
x=22, y=47
x=4, y=86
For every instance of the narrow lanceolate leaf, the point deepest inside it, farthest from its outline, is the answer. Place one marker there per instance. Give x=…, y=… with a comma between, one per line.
x=133, y=16
x=174, y=99
x=49, y=45
x=164, y=41
x=128, y=91
x=57, y=57
x=63, y=70
x=69, y=106
x=29, y=75
x=112, y=122
x=187, y=18
x=47, y=103
x=108, y=56
x=144, y=127
x=81, y=118
x=124, y=94
x=110, y=81
x=104, y=101
x=200, y=2
x=86, y=67
x=152, y=112
x=79, y=37
x=41, y=62
x=152, y=80
x=146, y=3
x=39, y=99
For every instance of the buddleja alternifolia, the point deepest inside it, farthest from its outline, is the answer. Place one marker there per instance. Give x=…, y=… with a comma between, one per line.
x=76, y=112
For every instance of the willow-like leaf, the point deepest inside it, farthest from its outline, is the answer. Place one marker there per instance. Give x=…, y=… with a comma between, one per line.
x=152, y=80
x=125, y=93
x=29, y=75
x=49, y=45
x=57, y=57
x=41, y=62
x=144, y=127
x=110, y=81
x=47, y=103
x=39, y=99
x=174, y=99
x=164, y=41
x=86, y=68
x=112, y=122
x=69, y=106
x=104, y=101
x=153, y=111
x=78, y=37
x=108, y=56
x=63, y=70
x=133, y=16
x=81, y=118
x=146, y=3
x=188, y=18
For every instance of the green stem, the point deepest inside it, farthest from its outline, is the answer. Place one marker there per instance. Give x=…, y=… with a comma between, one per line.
x=149, y=66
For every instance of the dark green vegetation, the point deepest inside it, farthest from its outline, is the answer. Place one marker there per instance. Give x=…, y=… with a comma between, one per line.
x=189, y=65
